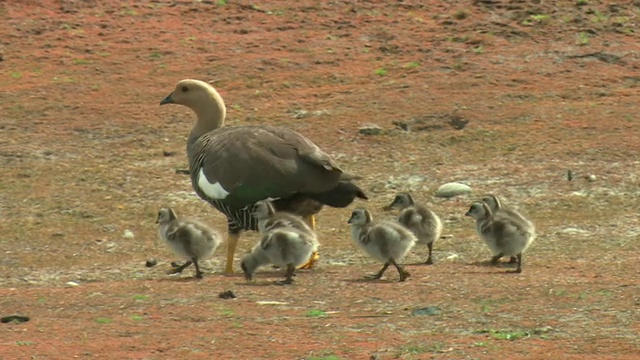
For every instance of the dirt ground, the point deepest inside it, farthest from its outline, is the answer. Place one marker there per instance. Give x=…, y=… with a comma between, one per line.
x=88, y=157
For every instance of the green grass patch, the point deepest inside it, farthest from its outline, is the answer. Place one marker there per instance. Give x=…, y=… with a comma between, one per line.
x=140, y=297
x=102, y=320
x=328, y=357
x=536, y=19
x=316, y=313
x=583, y=38
x=24, y=343
x=381, y=72
x=510, y=335
x=411, y=65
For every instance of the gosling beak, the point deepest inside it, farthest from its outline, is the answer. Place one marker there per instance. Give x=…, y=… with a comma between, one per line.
x=167, y=100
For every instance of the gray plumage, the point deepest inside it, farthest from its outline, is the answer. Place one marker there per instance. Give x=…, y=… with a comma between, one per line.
x=287, y=241
x=189, y=239
x=503, y=234
x=496, y=206
x=387, y=241
x=269, y=219
x=423, y=222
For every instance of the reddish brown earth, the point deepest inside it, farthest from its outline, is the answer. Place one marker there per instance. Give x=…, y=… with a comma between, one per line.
x=546, y=87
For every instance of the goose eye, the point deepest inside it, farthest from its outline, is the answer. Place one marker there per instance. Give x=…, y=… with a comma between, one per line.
x=185, y=89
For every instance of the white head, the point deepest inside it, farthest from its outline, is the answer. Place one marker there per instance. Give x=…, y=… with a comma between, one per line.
x=203, y=99
x=479, y=210
x=263, y=209
x=360, y=216
x=166, y=215
x=492, y=201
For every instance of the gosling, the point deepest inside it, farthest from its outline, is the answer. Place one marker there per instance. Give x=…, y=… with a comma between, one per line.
x=189, y=239
x=504, y=235
x=287, y=241
x=387, y=241
x=423, y=222
x=269, y=219
x=496, y=207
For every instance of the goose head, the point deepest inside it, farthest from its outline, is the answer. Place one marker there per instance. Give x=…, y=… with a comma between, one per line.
x=203, y=99
x=401, y=201
x=360, y=216
x=479, y=211
x=166, y=215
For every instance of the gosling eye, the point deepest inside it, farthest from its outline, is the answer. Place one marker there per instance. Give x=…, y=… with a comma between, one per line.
x=185, y=88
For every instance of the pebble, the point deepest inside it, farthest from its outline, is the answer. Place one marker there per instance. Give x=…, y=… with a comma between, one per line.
x=452, y=189
x=151, y=262
x=227, y=295
x=370, y=129
x=16, y=319
x=128, y=234
x=429, y=310
x=72, y=283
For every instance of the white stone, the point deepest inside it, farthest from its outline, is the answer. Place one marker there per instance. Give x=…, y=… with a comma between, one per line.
x=452, y=189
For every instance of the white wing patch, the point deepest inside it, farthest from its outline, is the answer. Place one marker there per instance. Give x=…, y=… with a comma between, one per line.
x=213, y=191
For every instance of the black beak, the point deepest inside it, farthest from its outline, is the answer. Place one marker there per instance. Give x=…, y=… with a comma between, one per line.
x=167, y=100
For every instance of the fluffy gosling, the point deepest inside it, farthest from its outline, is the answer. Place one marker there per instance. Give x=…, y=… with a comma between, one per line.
x=423, y=222
x=287, y=241
x=387, y=241
x=187, y=238
x=497, y=208
x=504, y=235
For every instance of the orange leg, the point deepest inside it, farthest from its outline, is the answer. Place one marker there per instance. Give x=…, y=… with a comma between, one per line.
x=311, y=221
x=232, y=242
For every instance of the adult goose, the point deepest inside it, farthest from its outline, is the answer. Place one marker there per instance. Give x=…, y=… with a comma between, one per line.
x=234, y=167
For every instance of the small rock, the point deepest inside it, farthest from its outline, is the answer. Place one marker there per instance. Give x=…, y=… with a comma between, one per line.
x=573, y=231
x=591, y=178
x=458, y=123
x=183, y=171
x=569, y=175
x=110, y=247
x=168, y=153
x=128, y=234
x=452, y=189
x=72, y=283
x=429, y=310
x=227, y=295
x=16, y=319
x=542, y=330
x=370, y=129
x=151, y=262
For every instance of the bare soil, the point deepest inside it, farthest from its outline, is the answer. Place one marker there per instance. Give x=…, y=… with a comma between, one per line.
x=88, y=157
